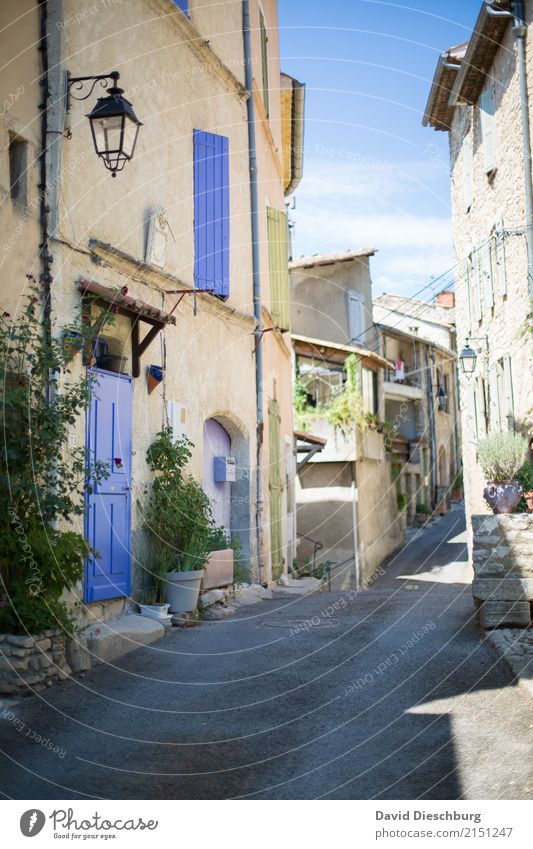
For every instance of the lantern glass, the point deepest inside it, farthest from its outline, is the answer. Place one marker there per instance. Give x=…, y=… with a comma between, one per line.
x=468, y=360
x=115, y=128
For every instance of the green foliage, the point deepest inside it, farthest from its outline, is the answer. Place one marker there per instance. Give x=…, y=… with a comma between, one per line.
x=346, y=410
x=401, y=500
x=177, y=516
x=458, y=482
x=423, y=509
x=501, y=455
x=41, y=485
x=525, y=478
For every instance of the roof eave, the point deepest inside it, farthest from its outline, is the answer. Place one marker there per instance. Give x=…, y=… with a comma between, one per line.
x=482, y=48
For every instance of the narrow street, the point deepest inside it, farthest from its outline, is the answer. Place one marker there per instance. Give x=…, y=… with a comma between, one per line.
x=389, y=694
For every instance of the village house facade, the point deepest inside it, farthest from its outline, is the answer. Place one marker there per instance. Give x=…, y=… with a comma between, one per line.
x=169, y=246
x=345, y=494
x=476, y=98
x=420, y=398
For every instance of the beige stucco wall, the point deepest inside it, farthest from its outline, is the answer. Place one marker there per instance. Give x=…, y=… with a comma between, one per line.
x=19, y=98
x=502, y=194
x=318, y=300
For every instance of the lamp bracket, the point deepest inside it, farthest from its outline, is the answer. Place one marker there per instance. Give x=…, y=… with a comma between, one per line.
x=78, y=84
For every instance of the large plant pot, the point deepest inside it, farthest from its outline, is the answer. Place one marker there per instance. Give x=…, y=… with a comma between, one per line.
x=182, y=590
x=219, y=569
x=529, y=500
x=503, y=497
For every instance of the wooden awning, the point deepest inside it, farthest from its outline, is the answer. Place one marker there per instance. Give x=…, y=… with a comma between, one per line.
x=119, y=302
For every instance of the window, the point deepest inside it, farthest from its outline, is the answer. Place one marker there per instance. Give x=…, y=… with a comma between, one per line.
x=211, y=213
x=356, y=326
x=368, y=389
x=476, y=290
x=278, y=261
x=322, y=380
x=467, y=172
x=264, y=61
x=499, y=253
x=485, y=268
x=504, y=388
x=486, y=116
x=18, y=169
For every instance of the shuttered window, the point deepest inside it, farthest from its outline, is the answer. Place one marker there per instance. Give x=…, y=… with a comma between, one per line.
x=499, y=252
x=476, y=290
x=264, y=61
x=356, y=322
x=211, y=213
x=486, y=114
x=183, y=5
x=278, y=261
x=485, y=267
x=467, y=172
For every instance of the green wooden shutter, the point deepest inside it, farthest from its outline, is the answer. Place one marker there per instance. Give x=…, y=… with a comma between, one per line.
x=278, y=261
x=275, y=487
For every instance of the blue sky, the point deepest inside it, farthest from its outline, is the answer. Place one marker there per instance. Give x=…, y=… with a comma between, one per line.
x=373, y=176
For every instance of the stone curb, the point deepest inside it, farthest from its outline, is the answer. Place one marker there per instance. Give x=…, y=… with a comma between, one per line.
x=515, y=647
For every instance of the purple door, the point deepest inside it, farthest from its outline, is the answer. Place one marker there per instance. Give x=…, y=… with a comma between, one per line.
x=217, y=443
x=108, y=506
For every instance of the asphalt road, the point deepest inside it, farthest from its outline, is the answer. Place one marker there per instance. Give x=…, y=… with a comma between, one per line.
x=391, y=693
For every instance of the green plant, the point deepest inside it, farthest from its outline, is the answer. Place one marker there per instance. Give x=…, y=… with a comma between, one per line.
x=42, y=486
x=458, y=482
x=525, y=478
x=501, y=455
x=177, y=515
x=401, y=501
x=423, y=509
x=346, y=410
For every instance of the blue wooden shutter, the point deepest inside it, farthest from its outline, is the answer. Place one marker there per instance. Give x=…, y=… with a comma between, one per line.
x=211, y=213
x=183, y=5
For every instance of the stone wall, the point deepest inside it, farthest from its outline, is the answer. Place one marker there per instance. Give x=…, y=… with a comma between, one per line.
x=502, y=553
x=29, y=664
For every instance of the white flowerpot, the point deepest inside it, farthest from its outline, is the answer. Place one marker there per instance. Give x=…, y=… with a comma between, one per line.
x=218, y=570
x=182, y=590
x=154, y=611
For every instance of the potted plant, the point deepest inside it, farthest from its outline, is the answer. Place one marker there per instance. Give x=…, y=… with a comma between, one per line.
x=178, y=521
x=457, y=487
x=182, y=583
x=152, y=604
x=525, y=479
x=500, y=456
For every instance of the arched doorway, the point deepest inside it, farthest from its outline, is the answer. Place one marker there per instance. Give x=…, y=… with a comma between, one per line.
x=217, y=443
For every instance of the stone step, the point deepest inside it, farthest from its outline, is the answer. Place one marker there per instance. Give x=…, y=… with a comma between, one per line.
x=107, y=641
x=495, y=614
x=505, y=589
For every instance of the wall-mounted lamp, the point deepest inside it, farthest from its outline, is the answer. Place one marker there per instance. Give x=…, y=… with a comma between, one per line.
x=114, y=125
x=442, y=399
x=468, y=356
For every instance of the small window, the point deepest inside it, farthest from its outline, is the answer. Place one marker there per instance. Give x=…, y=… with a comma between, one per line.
x=368, y=380
x=264, y=61
x=486, y=116
x=18, y=169
x=356, y=327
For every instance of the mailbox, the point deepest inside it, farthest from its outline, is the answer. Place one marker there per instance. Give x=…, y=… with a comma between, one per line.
x=224, y=469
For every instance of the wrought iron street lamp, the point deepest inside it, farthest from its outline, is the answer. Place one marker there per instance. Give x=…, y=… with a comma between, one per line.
x=468, y=356
x=114, y=125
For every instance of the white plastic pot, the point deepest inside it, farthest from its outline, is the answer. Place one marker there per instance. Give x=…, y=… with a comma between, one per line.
x=154, y=611
x=182, y=590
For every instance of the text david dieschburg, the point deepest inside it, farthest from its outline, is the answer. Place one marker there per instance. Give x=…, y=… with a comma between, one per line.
x=424, y=815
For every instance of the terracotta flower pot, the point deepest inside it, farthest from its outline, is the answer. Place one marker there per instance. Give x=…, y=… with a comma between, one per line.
x=503, y=497
x=529, y=500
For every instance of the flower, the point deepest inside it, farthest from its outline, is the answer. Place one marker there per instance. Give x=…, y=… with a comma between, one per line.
x=124, y=290
x=118, y=462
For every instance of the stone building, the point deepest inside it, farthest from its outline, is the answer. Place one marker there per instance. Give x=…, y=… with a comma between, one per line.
x=345, y=495
x=168, y=245
x=476, y=98
x=420, y=400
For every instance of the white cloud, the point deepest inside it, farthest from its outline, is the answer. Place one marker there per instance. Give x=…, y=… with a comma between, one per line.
x=342, y=205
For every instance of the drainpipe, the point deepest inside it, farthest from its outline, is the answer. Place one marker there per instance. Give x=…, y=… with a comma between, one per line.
x=356, y=563
x=520, y=32
x=254, y=204
x=45, y=276
x=432, y=436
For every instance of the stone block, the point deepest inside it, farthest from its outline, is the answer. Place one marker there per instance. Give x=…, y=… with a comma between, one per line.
x=77, y=654
x=110, y=640
x=504, y=589
x=495, y=614
x=218, y=612
x=21, y=641
x=209, y=598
